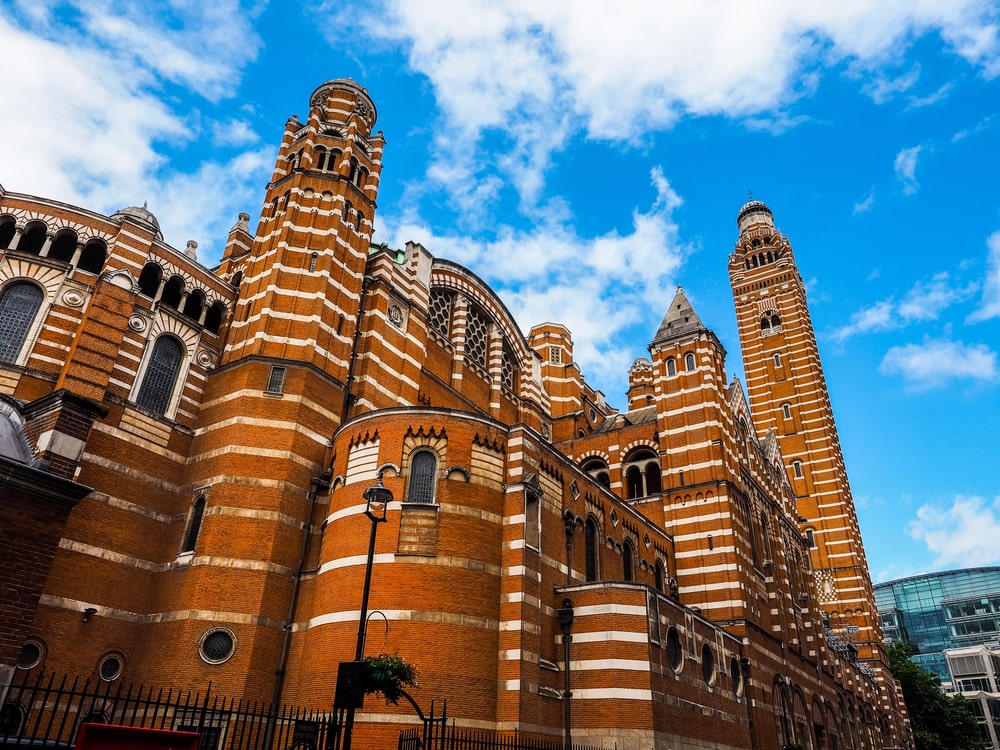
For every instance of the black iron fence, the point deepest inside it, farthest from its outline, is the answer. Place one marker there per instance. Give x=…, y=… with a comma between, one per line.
x=44, y=712
x=446, y=737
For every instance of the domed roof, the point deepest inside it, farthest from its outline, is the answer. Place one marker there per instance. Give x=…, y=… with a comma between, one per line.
x=753, y=212
x=752, y=206
x=140, y=215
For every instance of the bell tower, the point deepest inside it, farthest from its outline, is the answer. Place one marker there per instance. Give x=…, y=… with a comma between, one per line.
x=788, y=394
x=301, y=282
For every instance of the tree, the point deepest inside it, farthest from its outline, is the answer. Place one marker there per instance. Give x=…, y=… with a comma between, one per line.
x=939, y=721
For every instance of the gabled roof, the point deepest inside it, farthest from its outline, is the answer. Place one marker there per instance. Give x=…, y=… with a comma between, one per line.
x=680, y=319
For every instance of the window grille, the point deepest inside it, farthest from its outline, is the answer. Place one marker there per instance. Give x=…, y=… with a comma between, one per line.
x=476, y=338
x=423, y=466
x=507, y=370
x=555, y=355
x=161, y=376
x=18, y=307
x=439, y=314
x=275, y=381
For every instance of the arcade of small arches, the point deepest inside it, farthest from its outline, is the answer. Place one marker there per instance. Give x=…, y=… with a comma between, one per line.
x=641, y=473
x=63, y=245
x=173, y=292
x=351, y=216
x=756, y=256
x=690, y=364
x=846, y=724
x=329, y=160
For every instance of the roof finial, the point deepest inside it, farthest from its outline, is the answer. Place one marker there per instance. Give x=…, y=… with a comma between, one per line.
x=749, y=195
x=145, y=204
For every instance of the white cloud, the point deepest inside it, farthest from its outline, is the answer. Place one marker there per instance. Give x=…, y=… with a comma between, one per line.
x=878, y=317
x=906, y=169
x=540, y=73
x=925, y=301
x=935, y=362
x=93, y=125
x=961, y=536
x=865, y=205
x=928, y=299
x=990, y=306
x=597, y=287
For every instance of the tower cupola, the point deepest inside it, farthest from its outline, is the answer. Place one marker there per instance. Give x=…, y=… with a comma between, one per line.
x=754, y=212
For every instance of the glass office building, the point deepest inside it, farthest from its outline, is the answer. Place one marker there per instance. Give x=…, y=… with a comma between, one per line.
x=937, y=611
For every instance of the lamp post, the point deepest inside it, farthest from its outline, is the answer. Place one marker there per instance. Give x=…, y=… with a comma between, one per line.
x=377, y=499
x=565, y=613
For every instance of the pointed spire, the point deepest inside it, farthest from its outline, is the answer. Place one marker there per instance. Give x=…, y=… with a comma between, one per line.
x=680, y=319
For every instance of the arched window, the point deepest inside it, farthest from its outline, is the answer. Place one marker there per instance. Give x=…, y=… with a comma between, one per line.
x=149, y=279
x=786, y=410
x=161, y=375
x=33, y=238
x=423, y=466
x=775, y=321
x=599, y=471
x=671, y=367
x=213, y=318
x=660, y=577
x=8, y=228
x=19, y=304
x=172, y=292
x=765, y=324
x=642, y=474
x=194, y=525
x=797, y=469
x=319, y=160
x=95, y=252
x=590, y=541
x=194, y=305
x=358, y=220
x=777, y=359
x=689, y=362
x=628, y=561
x=353, y=176
x=63, y=246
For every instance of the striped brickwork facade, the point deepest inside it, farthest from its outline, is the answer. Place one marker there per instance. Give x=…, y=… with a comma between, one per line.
x=309, y=364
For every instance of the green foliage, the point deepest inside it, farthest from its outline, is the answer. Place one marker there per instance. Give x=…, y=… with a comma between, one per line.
x=938, y=721
x=388, y=674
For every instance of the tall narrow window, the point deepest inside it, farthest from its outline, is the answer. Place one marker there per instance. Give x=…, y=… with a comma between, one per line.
x=194, y=525
x=275, y=381
x=19, y=304
x=660, y=577
x=628, y=561
x=312, y=262
x=777, y=359
x=671, y=367
x=590, y=541
x=161, y=375
x=786, y=410
x=689, y=362
x=423, y=466
x=532, y=518
x=797, y=469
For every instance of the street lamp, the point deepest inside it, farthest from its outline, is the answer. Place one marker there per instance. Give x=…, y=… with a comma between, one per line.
x=377, y=499
x=565, y=613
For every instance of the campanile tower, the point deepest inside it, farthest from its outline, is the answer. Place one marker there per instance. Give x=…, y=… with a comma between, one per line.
x=788, y=394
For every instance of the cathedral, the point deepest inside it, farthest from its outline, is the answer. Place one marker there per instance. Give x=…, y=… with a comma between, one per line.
x=198, y=468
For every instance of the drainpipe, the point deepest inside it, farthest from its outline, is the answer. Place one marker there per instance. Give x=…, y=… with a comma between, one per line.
x=315, y=485
x=745, y=667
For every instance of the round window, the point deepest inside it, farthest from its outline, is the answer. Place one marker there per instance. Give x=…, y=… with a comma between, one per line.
x=217, y=645
x=736, y=676
x=708, y=663
x=31, y=655
x=110, y=667
x=675, y=654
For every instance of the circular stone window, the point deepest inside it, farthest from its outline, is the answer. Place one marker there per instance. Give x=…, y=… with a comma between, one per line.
x=110, y=667
x=675, y=654
x=736, y=676
x=217, y=645
x=708, y=663
x=31, y=655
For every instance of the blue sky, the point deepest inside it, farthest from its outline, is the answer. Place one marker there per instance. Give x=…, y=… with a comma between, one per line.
x=586, y=159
